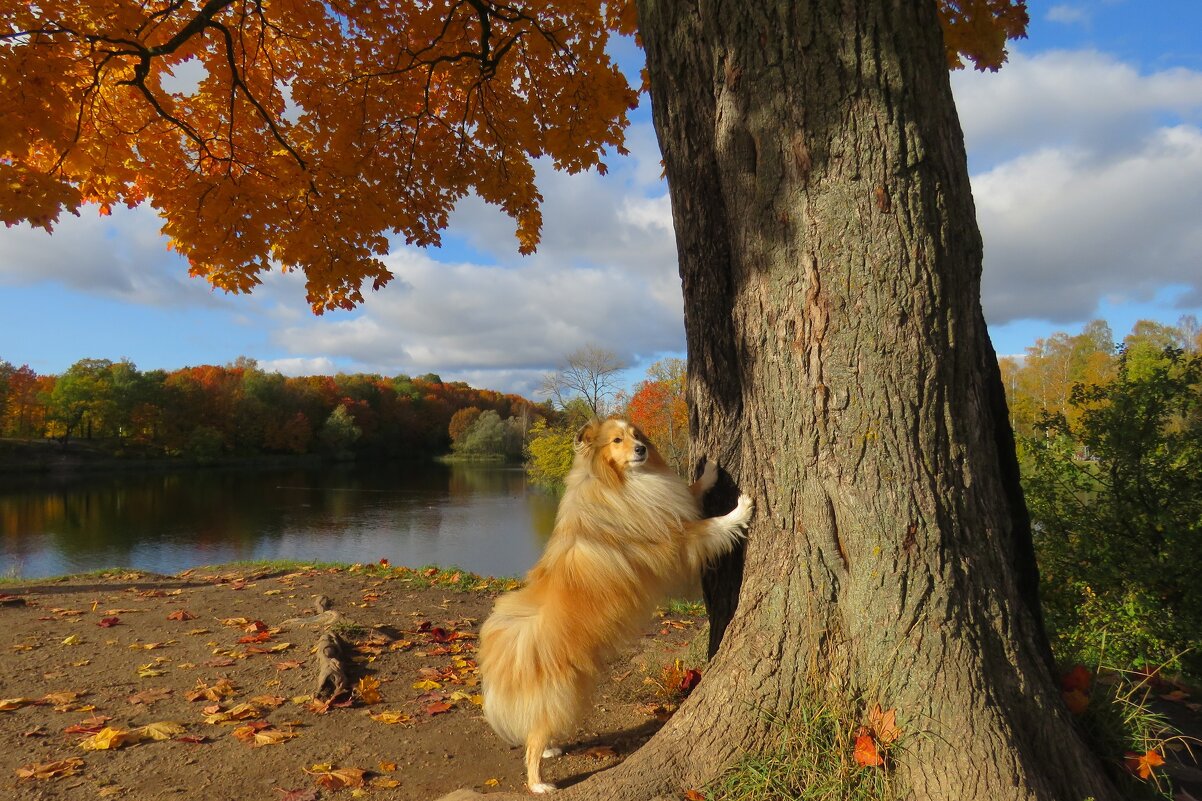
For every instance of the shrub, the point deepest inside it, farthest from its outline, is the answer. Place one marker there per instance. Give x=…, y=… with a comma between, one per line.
x=1116, y=499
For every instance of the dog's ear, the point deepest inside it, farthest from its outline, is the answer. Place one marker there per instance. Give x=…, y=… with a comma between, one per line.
x=586, y=434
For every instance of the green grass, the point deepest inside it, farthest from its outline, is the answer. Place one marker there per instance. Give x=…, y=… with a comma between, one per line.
x=810, y=760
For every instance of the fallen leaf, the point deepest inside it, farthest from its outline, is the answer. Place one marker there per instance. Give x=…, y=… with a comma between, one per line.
x=181, y=614
x=492, y=782
x=89, y=725
x=109, y=738
x=161, y=730
x=269, y=701
x=1079, y=678
x=368, y=689
x=338, y=779
x=694, y=795
x=383, y=782
x=61, y=699
x=51, y=770
x=427, y=684
x=1143, y=764
x=72, y=640
x=289, y=664
x=150, y=696
x=239, y=712
x=1076, y=701
x=600, y=752
x=389, y=717
x=884, y=725
x=108, y=622
x=387, y=767
x=9, y=704
x=866, y=753
x=439, y=707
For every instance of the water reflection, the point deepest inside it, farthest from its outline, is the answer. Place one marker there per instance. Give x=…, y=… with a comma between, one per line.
x=486, y=519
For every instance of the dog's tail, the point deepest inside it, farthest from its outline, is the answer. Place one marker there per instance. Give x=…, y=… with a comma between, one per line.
x=531, y=679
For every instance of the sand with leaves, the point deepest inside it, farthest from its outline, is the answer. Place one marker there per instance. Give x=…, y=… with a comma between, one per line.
x=131, y=685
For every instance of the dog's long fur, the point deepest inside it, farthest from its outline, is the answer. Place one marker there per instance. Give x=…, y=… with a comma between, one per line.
x=628, y=532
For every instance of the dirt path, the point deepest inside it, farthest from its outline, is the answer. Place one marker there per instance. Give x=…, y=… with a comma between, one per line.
x=101, y=661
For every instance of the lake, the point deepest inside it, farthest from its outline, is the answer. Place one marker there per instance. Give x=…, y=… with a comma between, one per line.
x=483, y=518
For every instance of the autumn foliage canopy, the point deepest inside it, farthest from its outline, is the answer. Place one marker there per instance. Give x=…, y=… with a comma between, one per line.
x=301, y=135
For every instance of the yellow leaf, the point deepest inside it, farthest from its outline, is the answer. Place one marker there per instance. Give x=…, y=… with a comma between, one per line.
x=109, y=738
x=51, y=770
x=390, y=717
x=368, y=688
x=427, y=684
x=72, y=640
x=162, y=730
x=9, y=704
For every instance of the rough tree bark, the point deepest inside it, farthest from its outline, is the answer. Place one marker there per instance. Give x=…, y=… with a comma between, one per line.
x=840, y=369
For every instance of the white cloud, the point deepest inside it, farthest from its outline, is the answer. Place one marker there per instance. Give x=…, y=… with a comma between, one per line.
x=1063, y=228
x=1078, y=99
x=1067, y=14
x=319, y=365
x=1087, y=181
x=121, y=257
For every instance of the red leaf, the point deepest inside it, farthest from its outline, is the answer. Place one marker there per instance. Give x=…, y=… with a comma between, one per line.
x=108, y=622
x=690, y=680
x=439, y=708
x=866, y=753
x=1079, y=678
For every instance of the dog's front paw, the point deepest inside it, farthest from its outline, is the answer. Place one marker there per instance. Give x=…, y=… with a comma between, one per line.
x=741, y=514
x=542, y=787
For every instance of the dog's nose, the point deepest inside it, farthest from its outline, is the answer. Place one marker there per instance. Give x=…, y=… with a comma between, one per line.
x=640, y=449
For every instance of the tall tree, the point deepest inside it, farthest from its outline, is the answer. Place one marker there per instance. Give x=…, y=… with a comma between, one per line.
x=840, y=369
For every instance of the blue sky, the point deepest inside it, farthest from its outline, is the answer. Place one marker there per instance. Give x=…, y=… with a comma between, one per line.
x=1086, y=158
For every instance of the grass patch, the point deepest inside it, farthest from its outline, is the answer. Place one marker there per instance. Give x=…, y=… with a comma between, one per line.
x=1122, y=726
x=812, y=759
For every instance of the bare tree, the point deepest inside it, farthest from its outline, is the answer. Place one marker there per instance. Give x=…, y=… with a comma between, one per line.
x=591, y=373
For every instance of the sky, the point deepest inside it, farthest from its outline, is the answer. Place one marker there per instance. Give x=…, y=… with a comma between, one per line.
x=1085, y=153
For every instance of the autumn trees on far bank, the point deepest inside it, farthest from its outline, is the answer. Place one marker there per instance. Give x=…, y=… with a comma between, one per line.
x=211, y=411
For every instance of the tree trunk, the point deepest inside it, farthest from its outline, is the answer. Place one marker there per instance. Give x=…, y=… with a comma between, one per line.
x=840, y=370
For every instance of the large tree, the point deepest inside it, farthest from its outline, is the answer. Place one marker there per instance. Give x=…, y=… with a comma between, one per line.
x=839, y=366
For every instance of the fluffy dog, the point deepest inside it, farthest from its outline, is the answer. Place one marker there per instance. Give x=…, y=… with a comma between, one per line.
x=628, y=532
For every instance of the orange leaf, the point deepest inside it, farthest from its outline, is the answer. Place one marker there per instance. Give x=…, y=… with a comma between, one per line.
x=866, y=753
x=1079, y=678
x=1076, y=701
x=884, y=725
x=1142, y=765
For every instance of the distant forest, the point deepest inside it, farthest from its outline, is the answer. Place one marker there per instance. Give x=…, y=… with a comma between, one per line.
x=210, y=412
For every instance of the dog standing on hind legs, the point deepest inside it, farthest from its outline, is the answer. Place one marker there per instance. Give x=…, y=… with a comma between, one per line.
x=628, y=532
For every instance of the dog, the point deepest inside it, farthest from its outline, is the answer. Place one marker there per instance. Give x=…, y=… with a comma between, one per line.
x=628, y=532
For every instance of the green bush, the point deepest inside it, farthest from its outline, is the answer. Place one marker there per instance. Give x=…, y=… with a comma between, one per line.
x=549, y=453
x=1116, y=499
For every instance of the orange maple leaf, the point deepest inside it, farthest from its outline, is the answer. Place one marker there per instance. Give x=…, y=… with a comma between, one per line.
x=866, y=753
x=1143, y=764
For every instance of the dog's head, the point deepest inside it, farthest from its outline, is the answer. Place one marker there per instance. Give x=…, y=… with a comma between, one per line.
x=614, y=447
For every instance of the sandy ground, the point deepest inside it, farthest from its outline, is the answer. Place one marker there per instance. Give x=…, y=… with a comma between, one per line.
x=95, y=670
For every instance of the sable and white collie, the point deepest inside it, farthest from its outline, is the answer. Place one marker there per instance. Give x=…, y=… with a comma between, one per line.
x=628, y=532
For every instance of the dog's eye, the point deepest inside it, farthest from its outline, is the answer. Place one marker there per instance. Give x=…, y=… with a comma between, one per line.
x=617, y=440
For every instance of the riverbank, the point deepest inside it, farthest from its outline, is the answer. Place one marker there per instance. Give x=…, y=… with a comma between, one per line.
x=80, y=457
x=218, y=663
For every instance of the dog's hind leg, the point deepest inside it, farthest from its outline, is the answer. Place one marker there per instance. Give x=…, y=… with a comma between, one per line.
x=536, y=745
